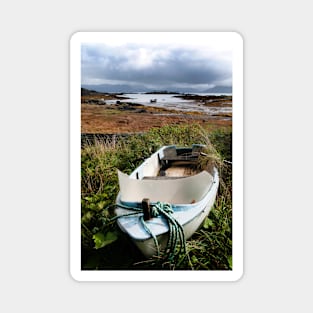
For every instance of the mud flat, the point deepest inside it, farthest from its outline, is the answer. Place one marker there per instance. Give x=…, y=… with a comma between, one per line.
x=97, y=116
x=102, y=119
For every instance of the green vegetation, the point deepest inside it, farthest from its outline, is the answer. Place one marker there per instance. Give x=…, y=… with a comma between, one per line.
x=104, y=247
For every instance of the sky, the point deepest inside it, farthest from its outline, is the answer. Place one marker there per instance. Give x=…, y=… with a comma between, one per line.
x=160, y=61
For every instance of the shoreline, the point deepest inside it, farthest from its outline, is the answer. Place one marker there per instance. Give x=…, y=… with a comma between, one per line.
x=97, y=117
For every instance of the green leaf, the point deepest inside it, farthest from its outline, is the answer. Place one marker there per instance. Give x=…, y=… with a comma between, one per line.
x=101, y=240
x=230, y=261
x=101, y=204
x=194, y=259
x=207, y=223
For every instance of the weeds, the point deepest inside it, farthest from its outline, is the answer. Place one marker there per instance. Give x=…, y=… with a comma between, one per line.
x=210, y=248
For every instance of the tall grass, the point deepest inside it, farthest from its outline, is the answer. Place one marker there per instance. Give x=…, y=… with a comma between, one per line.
x=210, y=248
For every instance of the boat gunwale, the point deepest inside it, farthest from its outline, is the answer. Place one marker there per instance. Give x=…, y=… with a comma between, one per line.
x=176, y=206
x=201, y=204
x=157, y=153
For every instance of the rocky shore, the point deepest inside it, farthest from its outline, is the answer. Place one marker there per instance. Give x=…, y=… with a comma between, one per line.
x=127, y=117
x=209, y=100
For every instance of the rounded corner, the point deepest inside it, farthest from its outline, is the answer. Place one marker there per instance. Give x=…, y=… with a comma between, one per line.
x=75, y=36
x=239, y=276
x=74, y=276
x=238, y=36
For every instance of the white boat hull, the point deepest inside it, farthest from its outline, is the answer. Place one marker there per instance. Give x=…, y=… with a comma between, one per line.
x=190, y=214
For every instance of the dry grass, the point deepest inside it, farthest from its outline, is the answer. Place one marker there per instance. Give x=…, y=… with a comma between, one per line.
x=102, y=119
x=210, y=248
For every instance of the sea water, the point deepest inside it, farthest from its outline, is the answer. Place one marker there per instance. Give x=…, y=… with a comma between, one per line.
x=173, y=102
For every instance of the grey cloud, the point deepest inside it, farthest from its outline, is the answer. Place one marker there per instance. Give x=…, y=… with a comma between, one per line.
x=163, y=67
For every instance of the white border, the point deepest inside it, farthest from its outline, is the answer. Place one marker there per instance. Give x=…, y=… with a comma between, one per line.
x=236, y=42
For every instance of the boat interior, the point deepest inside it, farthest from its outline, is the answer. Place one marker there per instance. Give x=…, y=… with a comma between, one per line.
x=180, y=162
x=171, y=162
x=171, y=175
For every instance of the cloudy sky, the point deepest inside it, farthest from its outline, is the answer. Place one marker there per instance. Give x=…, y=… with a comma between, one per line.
x=158, y=60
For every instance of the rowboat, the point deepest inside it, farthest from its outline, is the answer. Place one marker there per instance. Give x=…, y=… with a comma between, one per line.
x=171, y=176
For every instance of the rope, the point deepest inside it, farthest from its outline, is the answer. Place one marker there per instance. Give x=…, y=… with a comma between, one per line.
x=176, y=241
x=176, y=233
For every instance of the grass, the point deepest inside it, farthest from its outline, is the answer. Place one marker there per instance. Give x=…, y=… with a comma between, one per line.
x=104, y=247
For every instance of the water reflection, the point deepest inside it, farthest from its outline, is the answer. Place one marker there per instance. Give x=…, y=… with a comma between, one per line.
x=173, y=102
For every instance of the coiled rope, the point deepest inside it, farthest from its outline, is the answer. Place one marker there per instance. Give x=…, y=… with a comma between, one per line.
x=176, y=243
